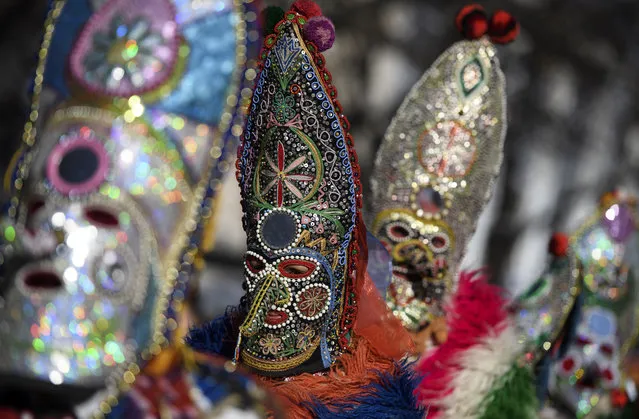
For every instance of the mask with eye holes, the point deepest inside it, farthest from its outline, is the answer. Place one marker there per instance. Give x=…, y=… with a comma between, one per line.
x=298, y=176
x=434, y=174
x=104, y=229
x=420, y=253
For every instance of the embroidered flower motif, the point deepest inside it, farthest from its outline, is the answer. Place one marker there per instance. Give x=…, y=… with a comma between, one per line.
x=312, y=301
x=304, y=338
x=126, y=51
x=281, y=175
x=270, y=344
x=284, y=107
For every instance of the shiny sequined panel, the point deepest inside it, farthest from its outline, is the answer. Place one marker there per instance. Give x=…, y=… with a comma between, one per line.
x=80, y=280
x=138, y=107
x=542, y=310
x=607, y=247
x=434, y=174
x=299, y=202
x=136, y=162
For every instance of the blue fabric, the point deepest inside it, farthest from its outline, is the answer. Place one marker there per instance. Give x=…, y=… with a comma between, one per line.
x=201, y=94
x=216, y=337
x=391, y=398
x=73, y=17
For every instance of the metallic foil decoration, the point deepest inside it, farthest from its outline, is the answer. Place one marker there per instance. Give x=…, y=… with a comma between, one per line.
x=298, y=176
x=542, y=312
x=434, y=174
x=581, y=318
x=137, y=109
x=607, y=249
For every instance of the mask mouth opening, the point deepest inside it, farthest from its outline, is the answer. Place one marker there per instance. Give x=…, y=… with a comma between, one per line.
x=42, y=280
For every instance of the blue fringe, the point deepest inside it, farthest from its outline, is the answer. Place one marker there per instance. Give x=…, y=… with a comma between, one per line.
x=391, y=398
x=218, y=336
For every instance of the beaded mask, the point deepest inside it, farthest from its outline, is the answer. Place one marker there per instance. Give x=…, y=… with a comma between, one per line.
x=434, y=174
x=298, y=176
x=607, y=249
x=121, y=177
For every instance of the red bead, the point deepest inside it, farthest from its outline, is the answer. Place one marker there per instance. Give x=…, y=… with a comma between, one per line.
x=472, y=21
x=307, y=8
x=618, y=398
x=558, y=245
x=503, y=28
x=568, y=364
x=607, y=374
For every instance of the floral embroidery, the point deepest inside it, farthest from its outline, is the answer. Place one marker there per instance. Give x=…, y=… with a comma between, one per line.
x=312, y=301
x=270, y=344
x=284, y=107
x=282, y=176
x=304, y=338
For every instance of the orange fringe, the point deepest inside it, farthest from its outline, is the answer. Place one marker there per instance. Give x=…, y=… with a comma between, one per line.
x=348, y=375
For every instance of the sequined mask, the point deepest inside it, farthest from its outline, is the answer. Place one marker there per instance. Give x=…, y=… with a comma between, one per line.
x=297, y=174
x=434, y=174
x=122, y=175
x=607, y=248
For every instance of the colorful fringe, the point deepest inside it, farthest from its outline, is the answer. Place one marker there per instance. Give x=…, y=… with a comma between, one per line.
x=361, y=384
x=476, y=373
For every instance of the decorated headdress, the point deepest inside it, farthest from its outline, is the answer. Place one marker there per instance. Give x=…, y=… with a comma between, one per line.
x=116, y=180
x=437, y=164
x=606, y=251
x=301, y=197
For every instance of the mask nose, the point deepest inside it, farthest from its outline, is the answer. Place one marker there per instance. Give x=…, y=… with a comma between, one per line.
x=42, y=280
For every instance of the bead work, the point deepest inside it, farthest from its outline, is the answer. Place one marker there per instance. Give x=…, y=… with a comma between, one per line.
x=436, y=166
x=297, y=160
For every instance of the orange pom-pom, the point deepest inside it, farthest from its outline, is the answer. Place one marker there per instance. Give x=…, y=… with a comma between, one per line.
x=307, y=8
x=472, y=22
x=503, y=28
x=558, y=245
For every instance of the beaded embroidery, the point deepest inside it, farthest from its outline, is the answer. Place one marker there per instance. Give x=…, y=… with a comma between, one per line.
x=434, y=174
x=298, y=176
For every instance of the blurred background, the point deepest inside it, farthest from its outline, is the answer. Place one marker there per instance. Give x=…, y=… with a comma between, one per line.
x=573, y=91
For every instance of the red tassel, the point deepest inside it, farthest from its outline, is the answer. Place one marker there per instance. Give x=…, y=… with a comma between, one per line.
x=503, y=28
x=558, y=245
x=472, y=21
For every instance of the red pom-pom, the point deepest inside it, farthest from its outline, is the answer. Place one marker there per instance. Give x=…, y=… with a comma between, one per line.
x=558, y=245
x=472, y=21
x=503, y=27
x=307, y=8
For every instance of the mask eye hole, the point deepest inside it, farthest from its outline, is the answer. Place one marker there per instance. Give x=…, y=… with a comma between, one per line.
x=583, y=341
x=607, y=349
x=294, y=268
x=398, y=232
x=100, y=217
x=254, y=263
x=439, y=243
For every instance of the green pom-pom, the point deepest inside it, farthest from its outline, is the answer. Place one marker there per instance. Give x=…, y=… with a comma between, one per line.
x=270, y=17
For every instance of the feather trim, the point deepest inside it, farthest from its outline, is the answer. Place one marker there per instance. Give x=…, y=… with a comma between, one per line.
x=475, y=374
x=216, y=337
x=361, y=382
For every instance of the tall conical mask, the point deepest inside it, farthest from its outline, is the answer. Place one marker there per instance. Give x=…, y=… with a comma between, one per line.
x=436, y=167
x=298, y=175
x=142, y=114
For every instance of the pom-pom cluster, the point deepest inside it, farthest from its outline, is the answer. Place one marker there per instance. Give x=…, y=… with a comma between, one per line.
x=473, y=23
x=317, y=29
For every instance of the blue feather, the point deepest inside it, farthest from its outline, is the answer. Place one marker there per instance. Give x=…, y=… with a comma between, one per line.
x=218, y=336
x=392, y=397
